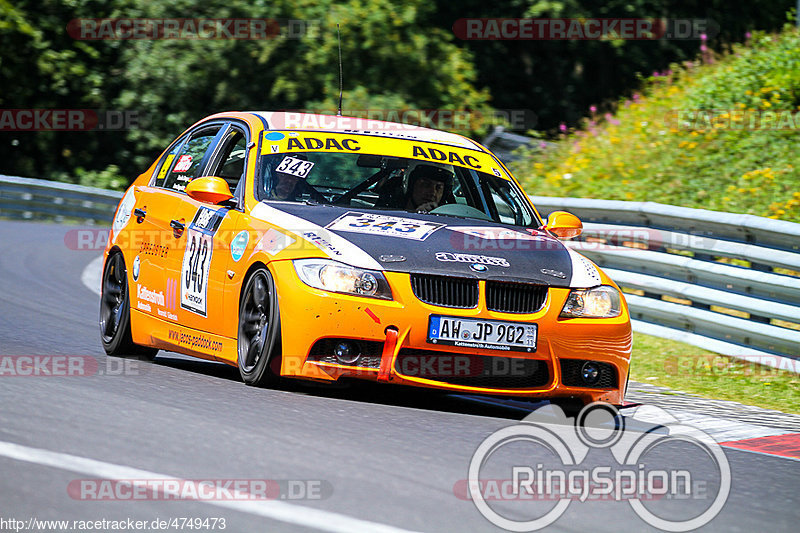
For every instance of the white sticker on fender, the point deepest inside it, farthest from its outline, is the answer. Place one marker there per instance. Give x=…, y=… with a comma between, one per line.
x=124, y=211
x=273, y=242
x=334, y=246
x=584, y=273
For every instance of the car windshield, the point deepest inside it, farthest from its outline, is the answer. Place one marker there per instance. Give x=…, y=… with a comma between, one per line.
x=368, y=182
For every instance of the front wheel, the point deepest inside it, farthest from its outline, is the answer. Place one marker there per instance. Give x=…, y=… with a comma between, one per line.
x=259, y=328
x=115, y=312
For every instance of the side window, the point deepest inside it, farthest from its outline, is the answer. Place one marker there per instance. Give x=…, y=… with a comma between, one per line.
x=166, y=163
x=187, y=164
x=233, y=158
x=507, y=202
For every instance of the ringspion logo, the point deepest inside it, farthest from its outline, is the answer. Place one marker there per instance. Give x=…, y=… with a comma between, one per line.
x=541, y=466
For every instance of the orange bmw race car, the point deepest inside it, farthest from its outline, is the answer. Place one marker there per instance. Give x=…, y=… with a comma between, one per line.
x=321, y=247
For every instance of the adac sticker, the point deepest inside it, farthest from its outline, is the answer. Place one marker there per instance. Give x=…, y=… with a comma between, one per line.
x=239, y=244
x=165, y=167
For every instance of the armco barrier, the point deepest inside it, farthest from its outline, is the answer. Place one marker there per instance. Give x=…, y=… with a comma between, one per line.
x=666, y=258
x=34, y=199
x=730, y=283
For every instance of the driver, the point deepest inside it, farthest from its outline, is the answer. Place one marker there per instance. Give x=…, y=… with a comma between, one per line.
x=285, y=186
x=426, y=187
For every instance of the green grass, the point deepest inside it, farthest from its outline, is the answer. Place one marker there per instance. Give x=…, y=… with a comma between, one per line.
x=690, y=369
x=649, y=151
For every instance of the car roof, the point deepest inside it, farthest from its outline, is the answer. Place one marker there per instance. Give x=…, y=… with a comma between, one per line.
x=288, y=120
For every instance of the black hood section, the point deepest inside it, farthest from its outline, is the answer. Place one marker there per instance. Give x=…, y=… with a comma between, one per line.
x=541, y=259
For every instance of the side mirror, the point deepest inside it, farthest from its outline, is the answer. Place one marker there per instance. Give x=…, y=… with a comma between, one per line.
x=563, y=225
x=209, y=189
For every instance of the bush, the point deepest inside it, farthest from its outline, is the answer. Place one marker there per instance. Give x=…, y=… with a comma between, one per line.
x=657, y=147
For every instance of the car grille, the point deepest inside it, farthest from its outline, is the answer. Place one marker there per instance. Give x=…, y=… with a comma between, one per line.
x=571, y=374
x=471, y=370
x=515, y=297
x=445, y=291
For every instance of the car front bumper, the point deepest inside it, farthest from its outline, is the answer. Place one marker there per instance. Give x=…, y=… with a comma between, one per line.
x=391, y=336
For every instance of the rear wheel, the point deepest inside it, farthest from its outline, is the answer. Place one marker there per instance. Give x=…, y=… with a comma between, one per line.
x=259, y=328
x=115, y=312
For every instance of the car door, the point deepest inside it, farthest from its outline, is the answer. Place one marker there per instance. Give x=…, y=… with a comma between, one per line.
x=209, y=233
x=161, y=229
x=153, y=243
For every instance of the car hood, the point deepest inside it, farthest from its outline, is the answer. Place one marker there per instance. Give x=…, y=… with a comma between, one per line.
x=400, y=241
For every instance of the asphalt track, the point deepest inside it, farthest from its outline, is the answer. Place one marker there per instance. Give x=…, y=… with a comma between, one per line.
x=384, y=459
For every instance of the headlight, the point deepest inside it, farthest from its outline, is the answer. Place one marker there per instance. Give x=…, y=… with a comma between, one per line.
x=337, y=277
x=599, y=302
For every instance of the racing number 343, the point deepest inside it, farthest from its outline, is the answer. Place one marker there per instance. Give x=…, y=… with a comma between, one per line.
x=194, y=271
x=198, y=255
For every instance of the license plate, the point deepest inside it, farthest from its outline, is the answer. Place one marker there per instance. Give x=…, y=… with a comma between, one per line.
x=478, y=333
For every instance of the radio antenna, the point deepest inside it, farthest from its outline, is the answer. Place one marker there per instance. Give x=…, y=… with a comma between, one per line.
x=339, y=40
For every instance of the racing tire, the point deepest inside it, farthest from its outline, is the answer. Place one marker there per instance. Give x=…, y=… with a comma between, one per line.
x=115, y=313
x=259, y=329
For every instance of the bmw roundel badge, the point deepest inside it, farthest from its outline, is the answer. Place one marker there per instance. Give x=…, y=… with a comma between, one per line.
x=477, y=267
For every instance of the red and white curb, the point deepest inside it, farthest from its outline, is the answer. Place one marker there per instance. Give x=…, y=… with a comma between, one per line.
x=729, y=432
